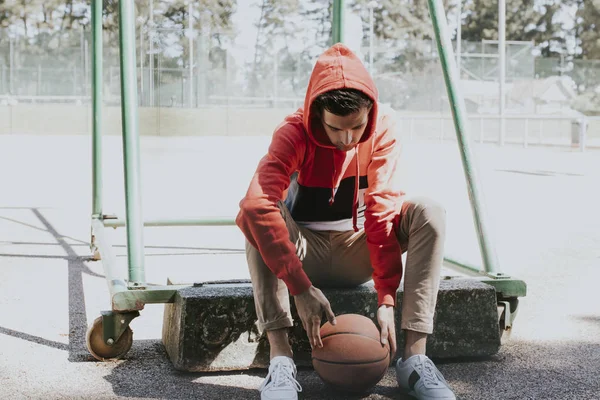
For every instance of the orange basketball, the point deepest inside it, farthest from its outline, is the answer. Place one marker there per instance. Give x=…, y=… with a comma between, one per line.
x=352, y=358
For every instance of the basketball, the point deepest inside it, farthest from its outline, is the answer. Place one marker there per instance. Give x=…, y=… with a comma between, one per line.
x=352, y=358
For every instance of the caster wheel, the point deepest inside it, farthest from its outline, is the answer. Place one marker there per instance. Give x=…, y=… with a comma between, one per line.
x=103, y=352
x=504, y=333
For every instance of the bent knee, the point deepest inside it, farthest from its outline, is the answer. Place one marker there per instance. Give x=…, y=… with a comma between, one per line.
x=430, y=213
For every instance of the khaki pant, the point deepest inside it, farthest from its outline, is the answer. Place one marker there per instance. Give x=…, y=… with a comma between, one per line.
x=341, y=259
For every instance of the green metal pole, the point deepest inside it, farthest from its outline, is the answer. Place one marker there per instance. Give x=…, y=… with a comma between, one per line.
x=337, y=27
x=123, y=299
x=457, y=104
x=192, y=221
x=96, y=108
x=131, y=156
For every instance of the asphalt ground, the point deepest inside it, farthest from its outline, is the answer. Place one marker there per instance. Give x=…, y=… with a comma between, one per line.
x=542, y=207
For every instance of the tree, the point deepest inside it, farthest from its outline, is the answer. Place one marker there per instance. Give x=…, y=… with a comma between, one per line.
x=318, y=15
x=276, y=43
x=588, y=28
x=406, y=64
x=526, y=20
x=51, y=33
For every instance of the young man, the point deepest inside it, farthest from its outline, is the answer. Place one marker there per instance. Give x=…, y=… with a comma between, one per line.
x=321, y=211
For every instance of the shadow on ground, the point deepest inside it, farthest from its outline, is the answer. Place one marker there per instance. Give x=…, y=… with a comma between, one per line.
x=529, y=370
x=146, y=372
x=522, y=370
x=77, y=311
x=77, y=268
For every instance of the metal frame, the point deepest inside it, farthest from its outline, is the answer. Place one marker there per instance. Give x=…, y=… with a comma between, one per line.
x=491, y=269
x=337, y=26
x=129, y=296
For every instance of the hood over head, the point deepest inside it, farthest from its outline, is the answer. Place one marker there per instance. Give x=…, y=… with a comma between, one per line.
x=337, y=68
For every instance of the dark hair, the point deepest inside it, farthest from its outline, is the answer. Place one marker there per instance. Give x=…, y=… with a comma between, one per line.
x=341, y=102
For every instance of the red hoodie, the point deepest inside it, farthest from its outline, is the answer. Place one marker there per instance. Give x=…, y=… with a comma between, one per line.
x=323, y=185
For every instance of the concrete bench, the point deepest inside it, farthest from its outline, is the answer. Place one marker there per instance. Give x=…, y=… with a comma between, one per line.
x=212, y=327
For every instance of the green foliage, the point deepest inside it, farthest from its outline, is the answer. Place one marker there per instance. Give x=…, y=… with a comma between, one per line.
x=588, y=29
x=526, y=20
x=52, y=33
x=290, y=34
x=399, y=19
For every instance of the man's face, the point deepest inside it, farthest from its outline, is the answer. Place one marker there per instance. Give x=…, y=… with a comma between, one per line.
x=345, y=132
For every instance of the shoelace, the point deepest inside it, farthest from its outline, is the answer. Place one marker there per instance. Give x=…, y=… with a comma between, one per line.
x=281, y=376
x=430, y=377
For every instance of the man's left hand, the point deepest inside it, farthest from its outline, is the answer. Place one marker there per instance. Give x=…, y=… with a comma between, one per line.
x=385, y=317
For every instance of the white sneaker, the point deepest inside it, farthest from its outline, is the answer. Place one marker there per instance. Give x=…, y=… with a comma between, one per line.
x=419, y=377
x=280, y=383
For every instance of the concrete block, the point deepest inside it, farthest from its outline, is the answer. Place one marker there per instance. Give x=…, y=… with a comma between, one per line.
x=212, y=327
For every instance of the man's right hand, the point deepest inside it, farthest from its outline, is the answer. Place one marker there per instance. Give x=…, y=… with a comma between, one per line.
x=310, y=305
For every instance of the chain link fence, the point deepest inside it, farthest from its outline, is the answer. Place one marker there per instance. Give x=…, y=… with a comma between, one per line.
x=44, y=66
x=257, y=60
x=223, y=72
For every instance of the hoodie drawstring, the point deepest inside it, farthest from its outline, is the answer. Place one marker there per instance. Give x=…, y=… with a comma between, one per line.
x=332, y=179
x=356, y=189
